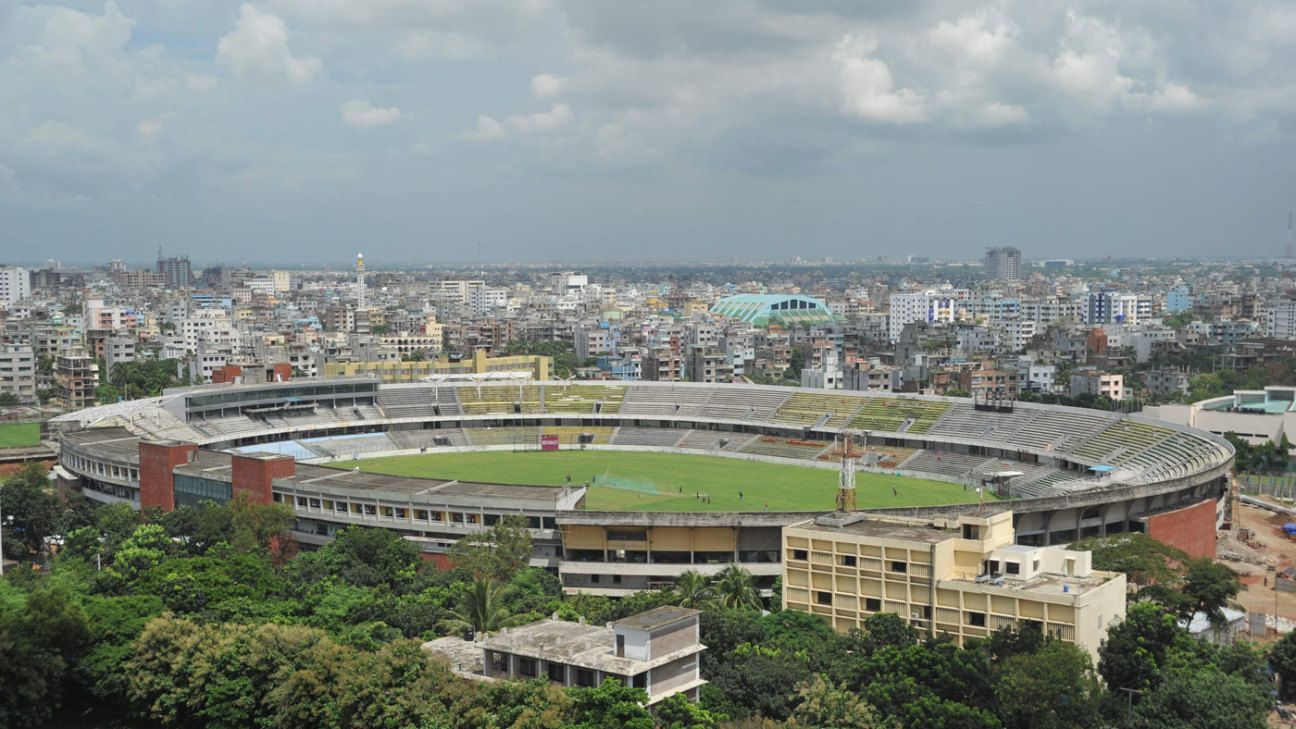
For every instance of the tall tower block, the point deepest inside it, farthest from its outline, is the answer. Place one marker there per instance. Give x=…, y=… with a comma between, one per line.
x=360, y=282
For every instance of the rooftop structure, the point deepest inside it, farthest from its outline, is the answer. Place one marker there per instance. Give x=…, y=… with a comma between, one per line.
x=777, y=309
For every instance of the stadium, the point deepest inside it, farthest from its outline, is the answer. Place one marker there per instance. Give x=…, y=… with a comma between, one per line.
x=626, y=485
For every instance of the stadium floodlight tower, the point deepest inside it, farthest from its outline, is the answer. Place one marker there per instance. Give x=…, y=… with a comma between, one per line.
x=846, y=481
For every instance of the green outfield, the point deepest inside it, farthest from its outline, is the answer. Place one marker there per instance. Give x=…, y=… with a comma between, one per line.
x=669, y=482
x=19, y=434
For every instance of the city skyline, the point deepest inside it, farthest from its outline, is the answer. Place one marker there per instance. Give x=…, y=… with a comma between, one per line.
x=570, y=131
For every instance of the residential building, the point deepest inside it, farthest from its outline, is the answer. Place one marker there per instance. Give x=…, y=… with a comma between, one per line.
x=18, y=372
x=958, y=576
x=1092, y=381
x=1003, y=264
x=15, y=285
x=76, y=375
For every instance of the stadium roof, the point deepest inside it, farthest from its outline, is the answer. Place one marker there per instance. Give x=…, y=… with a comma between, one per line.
x=766, y=309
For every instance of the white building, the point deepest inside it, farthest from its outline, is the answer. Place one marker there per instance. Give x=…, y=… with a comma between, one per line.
x=18, y=372
x=15, y=284
x=943, y=305
x=1091, y=381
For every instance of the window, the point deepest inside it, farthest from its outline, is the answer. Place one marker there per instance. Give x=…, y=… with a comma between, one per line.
x=970, y=531
x=594, y=579
x=899, y=566
x=976, y=619
x=616, y=579
x=527, y=667
x=557, y=673
x=620, y=646
x=849, y=560
x=640, y=680
x=584, y=677
x=1012, y=568
x=872, y=604
x=499, y=662
x=799, y=554
x=823, y=597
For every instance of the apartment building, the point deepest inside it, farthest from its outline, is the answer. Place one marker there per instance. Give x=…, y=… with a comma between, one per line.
x=76, y=375
x=1091, y=381
x=18, y=372
x=962, y=576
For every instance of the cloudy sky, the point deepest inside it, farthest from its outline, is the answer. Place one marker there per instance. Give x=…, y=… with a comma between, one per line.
x=459, y=130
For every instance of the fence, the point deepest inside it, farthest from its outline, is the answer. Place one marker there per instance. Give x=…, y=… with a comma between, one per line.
x=1283, y=487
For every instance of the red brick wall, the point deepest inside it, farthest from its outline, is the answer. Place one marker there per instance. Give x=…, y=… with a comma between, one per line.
x=1191, y=528
x=228, y=373
x=282, y=372
x=253, y=475
x=157, y=482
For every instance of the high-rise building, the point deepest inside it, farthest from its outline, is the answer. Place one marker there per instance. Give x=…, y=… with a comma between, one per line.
x=15, y=284
x=1003, y=264
x=176, y=271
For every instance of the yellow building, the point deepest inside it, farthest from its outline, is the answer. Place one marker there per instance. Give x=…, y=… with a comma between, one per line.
x=539, y=367
x=961, y=576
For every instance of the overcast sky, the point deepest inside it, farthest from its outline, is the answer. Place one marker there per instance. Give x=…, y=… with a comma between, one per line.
x=439, y=130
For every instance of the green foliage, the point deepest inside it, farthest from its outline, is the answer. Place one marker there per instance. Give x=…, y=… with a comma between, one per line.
x=480, y=610
x=678, y=712
x=735, y=589
x=1266, y=458
x=1204, y=698
x=824, y=705
x=1144, y=560
x=1209, y=587
x=1135, y=650
x=31, y=511
x=144, y=377
x=39, y=639
x=1282, y=656
x=142, y=551
x=611, y=705
x=1051, y=688
x=497, y=553
x=692, y=590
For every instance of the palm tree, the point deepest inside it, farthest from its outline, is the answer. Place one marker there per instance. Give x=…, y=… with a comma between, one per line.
x=692, y=589
x=480, y=610
x=735, y=589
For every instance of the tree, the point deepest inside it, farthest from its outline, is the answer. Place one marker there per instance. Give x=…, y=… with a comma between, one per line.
x=497, y=553
x=1135, y=650
x=677, y=712
x=480, y=609
x=1204, y=697
x=1053, y=688
x=143, y=550
x=824, y=705
x=610, y=705
x=735, y=589
x=1282, y=656
x=888, y=629
x=692, y=590
x=1210, y=586
x=8, y=399
x=1144, y=560
x=32, y=513
x=39, y=639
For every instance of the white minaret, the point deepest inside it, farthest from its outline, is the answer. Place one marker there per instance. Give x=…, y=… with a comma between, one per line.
x=360, y=284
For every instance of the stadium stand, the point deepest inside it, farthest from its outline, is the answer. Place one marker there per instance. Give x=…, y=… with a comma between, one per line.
x=483, y=400
x=716, y=440
x=438, y=438
x=898, y=415
x=568, y=398
x=743, y=403
x=629, y=435
x=666, y=400
x=522, y=436
x=817, y=410
x=571, y=434
x=783, y=447
x=418, y=400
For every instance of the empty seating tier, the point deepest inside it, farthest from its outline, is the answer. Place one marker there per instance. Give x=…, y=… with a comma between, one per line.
x=571, y=434
x=583, y=398
x=651, y=437
x=499, y=399
x=783, y=447
x=898, y=415
x=814, y=409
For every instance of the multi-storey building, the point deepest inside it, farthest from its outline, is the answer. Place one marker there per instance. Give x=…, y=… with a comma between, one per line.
x=76, y=375
x=15, y=284
x=959, y=576
x=18, y=372
x=1003, y=264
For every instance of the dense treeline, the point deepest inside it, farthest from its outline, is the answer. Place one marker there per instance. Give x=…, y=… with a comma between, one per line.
x=207, y=617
